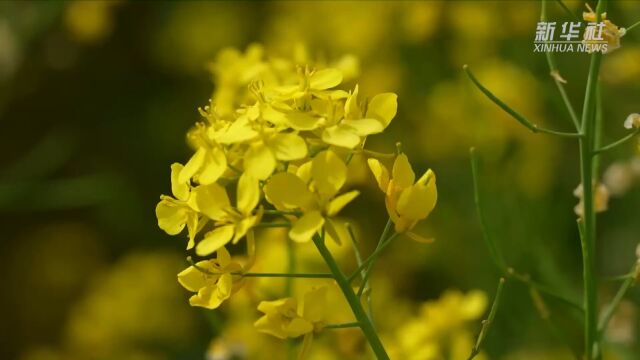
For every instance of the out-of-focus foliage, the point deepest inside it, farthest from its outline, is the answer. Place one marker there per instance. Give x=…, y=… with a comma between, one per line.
x=95, y=97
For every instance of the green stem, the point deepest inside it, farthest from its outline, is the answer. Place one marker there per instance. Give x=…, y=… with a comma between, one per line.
x=365, y=280
x=589, y=219
x=611, y=309
x=494, y=250
x=555, y=73
x=617, y=142
x=486, y=324
x=342, y=326
x=352, y=299
x=521, y=119
x=632, y=26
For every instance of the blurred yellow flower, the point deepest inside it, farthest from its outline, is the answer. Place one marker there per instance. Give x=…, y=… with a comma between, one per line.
x=285, y=318
x=407, y=201
x=211, y=280
x=441, y=328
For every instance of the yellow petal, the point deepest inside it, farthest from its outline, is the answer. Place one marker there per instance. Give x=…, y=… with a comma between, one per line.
x=325, y=79
x=417, y=201
x=248, y=194
x=351, y=106
x=341, y=135
x=192, y=166
x=215, y=164
x=224, y=286
x=383, y=107
x=214, y=240
x=339, y=202
x=329, y=172
x=239, y=131
x=288, y=147
x=206, y=298
x=259, y=161
x=304, y=229
x=403, y=175
x=380, y=172
x=211, y=200
x=172, y=217
x=179, y=189
x=287, y=191
x=223, y=258
x=193, y=279
x=332, y=232
x=364, y=127
x=298, y=327
x=265, y=325
x=302, y=121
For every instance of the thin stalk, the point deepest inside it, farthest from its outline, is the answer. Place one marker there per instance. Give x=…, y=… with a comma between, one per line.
x=365, y=264
x=617, y=142
x=633, y=26
x=365, y=280
x=494, y=250
x=486, y=324
x=356, y=307
x=555, y=73
x=611, y=309
x=342, y=326
x=589, y=219
x=517, y=116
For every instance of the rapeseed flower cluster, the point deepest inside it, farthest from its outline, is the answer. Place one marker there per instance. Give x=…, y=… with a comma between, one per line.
x=278, y=135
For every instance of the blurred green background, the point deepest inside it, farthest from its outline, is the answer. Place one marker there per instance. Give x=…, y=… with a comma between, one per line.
x=96, y=99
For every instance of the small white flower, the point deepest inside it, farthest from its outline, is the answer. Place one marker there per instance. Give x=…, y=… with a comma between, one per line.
x=632, y=121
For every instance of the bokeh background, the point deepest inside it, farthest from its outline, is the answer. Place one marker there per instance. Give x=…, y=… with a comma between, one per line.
x=96, y=98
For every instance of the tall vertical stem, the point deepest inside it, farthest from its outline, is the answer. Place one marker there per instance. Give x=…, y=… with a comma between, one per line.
x=356, y=306
x=586, y=170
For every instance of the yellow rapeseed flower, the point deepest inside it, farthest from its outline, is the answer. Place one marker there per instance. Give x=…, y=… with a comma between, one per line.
x=313, y=190
x=285, y=318
x=211, y=280
x=407, y=201
x=231, y=223
x=174, y=213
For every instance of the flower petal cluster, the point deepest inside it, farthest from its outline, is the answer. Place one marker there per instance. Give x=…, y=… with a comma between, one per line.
x=408, y=201
x=286, y=318
x=212, y=281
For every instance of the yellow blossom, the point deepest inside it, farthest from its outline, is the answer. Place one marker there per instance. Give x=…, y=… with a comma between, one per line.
x=208, y=163
x=175, y=213
x=611, y=33
x=231, y=223
x=407, y=201
x=349, y=131
x=211, y=280
x=314, y=190
x=441, y=327
x=285, y=318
